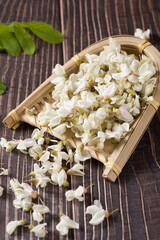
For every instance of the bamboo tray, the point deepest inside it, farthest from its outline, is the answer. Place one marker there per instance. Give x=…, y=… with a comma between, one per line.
x=113, y=156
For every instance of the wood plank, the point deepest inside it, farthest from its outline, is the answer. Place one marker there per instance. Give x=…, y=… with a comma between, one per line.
x=137, y=190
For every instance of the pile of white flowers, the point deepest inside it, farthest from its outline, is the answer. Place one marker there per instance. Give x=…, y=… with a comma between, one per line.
x=51, y=158
x=102, y=100
x=50, y=155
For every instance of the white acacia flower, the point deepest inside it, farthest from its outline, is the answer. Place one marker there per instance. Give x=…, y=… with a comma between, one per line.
x=97, y=212
x=37, y=133
x=124, y=115
x=39, y=170
x=71, y=194
x=1, y=191
x=76, y=170
x=36, y=151
x=59, y=178
x=60, y=129
x=45, y=157
x=41, y=180
x=139, y=33
x=25, y=204
x=81, y=155
x=39, y=230
x=22, y=190
x=3, y=171
x=58, y=70
x=10, y=145
x=11, y=226
x=38, y=210
x=65, y=224
x=23, y=145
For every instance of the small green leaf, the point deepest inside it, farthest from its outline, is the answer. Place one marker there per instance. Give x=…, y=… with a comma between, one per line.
x=8, y=41
x=46, y=32
x=2, y=87
x=24, y=38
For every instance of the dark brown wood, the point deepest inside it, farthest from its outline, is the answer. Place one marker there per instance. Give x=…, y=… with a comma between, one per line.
x=137, y=190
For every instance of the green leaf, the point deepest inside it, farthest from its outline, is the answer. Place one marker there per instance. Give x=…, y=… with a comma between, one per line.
x=2, y=87
x=24, y=38
x=46, y=32
x=4, y=27
x=8, y=41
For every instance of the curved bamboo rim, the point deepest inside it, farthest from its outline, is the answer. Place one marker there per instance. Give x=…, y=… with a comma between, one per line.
x=118, y=154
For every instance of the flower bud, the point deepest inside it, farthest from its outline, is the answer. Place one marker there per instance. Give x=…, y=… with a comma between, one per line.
x=34, y=180
x=34, y=194
x=30, y=226
x=66, y=184
x=23, y=222
x=32, y=174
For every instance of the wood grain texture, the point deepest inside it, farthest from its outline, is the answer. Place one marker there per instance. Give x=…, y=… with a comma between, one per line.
x=137, y=190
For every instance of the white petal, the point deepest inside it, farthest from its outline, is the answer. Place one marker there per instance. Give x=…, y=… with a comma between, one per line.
x=45, y=157
x=92, y=209
x=62, y=177
x=37, y=216
x=62, y=228
x=98, y=204
x=69, y=222
x=60, y=129
x=79, y=191
x=70, y=195
x=98, y=217
x=41, y=208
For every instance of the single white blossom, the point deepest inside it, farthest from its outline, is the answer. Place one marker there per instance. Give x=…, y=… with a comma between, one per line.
x=59, y=178
x=11, y=226
x=40, y=180
x=81, y=155
x=139, y=33
x=65, y=224
x=10, y=145
x=25, y=204
x=39, y=230
x=71, y=194
x=38, y=211
x=97, y=212
x=76, y=170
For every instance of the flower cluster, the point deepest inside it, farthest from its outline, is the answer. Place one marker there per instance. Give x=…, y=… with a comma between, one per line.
x=23, y=200
x=102, y=100
x=50, y=158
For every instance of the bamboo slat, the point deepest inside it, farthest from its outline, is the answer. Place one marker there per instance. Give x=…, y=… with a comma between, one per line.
x=113, y=156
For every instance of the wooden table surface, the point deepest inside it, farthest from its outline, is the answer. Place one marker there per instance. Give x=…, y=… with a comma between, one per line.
x=137, y=190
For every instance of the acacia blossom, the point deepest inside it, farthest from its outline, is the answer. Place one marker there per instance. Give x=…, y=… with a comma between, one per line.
x=102, y=100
